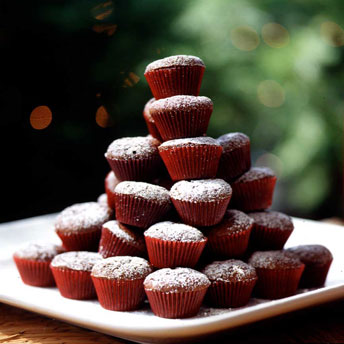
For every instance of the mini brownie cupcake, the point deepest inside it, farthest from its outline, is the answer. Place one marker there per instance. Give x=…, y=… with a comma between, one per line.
x=33, y=262
x=232, y=282
x=279, y=273
x=201, y=202
x=152, y=129
x=176, y=293
x=191, y=158
x=173, y=75
x=119, y=240
x=172, y=244
x=236, y=157
x=110, y=183
x=134, y=158
x=230, y=237
x=182, y=116
x=72, y=273
x=317, y=260
x=271, y=230
x=141, y=204
x=254, y=189
x=119, y=282
x=79, y=226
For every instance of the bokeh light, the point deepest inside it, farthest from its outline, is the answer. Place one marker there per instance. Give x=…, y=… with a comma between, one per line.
x=332, y=34
x=41, y=117
x=272, y=161
x=132, y=80
x=275, y=35
x=103, y=118
x=103, y=10
x=245, y=38
x=109, y=29
x=270, y=93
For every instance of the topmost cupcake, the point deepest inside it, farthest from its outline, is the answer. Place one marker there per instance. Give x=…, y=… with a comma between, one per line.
x=175, y=75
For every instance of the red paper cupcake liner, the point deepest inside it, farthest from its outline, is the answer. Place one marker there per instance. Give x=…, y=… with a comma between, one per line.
x=74, y=284
x=235, y=163
x=110, y=198
x=139, y=212
x=254, y=195
x=173, y=81
x=170, y=254
x=176, y=305
x=201, y=213
x=276, y=284
x=194, y=162
x=314, y=276
x=35, y=273
x=81, y=241
x=119, y=295
x=110, y=245
x=152, y=129
x=136, y=169
x=229, y=294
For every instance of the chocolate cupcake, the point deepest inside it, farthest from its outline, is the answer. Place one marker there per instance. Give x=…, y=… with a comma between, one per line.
x=201, y=202
x=317, y=260
x=236, y=157
x=119, y=282
x=191, y=158
x=152, y=129
x=182, y=116
x=271, y=230
x=172, y=244
x=254, y=189
x=176, y=293
x=141, y=204
x=232, y=282
x=119, y=240
x=110, y=183
x=279, y=273
x=134, y=158
x=72, y=273
x=33, y=262
x=174, y=75
x=230, y=237
x=79, y=226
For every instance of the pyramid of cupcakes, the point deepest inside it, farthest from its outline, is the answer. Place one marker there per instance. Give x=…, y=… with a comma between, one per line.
x=184, y=219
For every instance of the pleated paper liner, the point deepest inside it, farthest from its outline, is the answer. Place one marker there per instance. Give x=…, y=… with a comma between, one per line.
x=170, y=254
x=183, y=304
x=277, y=283
x=152, y=129
x=314, y=275
x=191, y=162
x=74, y=284
x=119, y=295
x=81, y=240
x=139, y=212
x=35, y=273
x=225, y=294
x=173, y=81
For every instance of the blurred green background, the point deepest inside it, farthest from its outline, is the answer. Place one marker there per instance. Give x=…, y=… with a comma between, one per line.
x=274, y=71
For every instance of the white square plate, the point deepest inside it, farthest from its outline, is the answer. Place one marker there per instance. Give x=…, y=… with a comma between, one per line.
x=142, y=326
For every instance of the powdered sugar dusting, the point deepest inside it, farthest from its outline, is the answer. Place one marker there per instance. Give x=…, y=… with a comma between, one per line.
x=272, y=219
x=172, y=231
x=176, y=280
x=274, y=260
x=256, y=173
x=232, y=141
x=194, y=141
x=120, y=231
x=312, y=254
x=122, y=267
x=201, y=190
x=176, y=60
x=111, y=181
x=76, y=260
x=40, y=251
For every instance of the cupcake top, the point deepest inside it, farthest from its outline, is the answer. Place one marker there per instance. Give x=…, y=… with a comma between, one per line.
x=201, y=190
x=102, y=200
x=122, y=267
x=171, y=231
x=139, y=147
x=230, y=270
x=190, y=142
x=181, y=103
x=176, y=280
x=274, y=260
x=82, y=217
x=39, y=251
x=312, y=254
x=76, y=260
x=146, y=191
x=111, y=181
x=173, y=61
x=232, y=141
x=256, y=173
x=234, y=221
x=272, y=219
x=146, y=110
